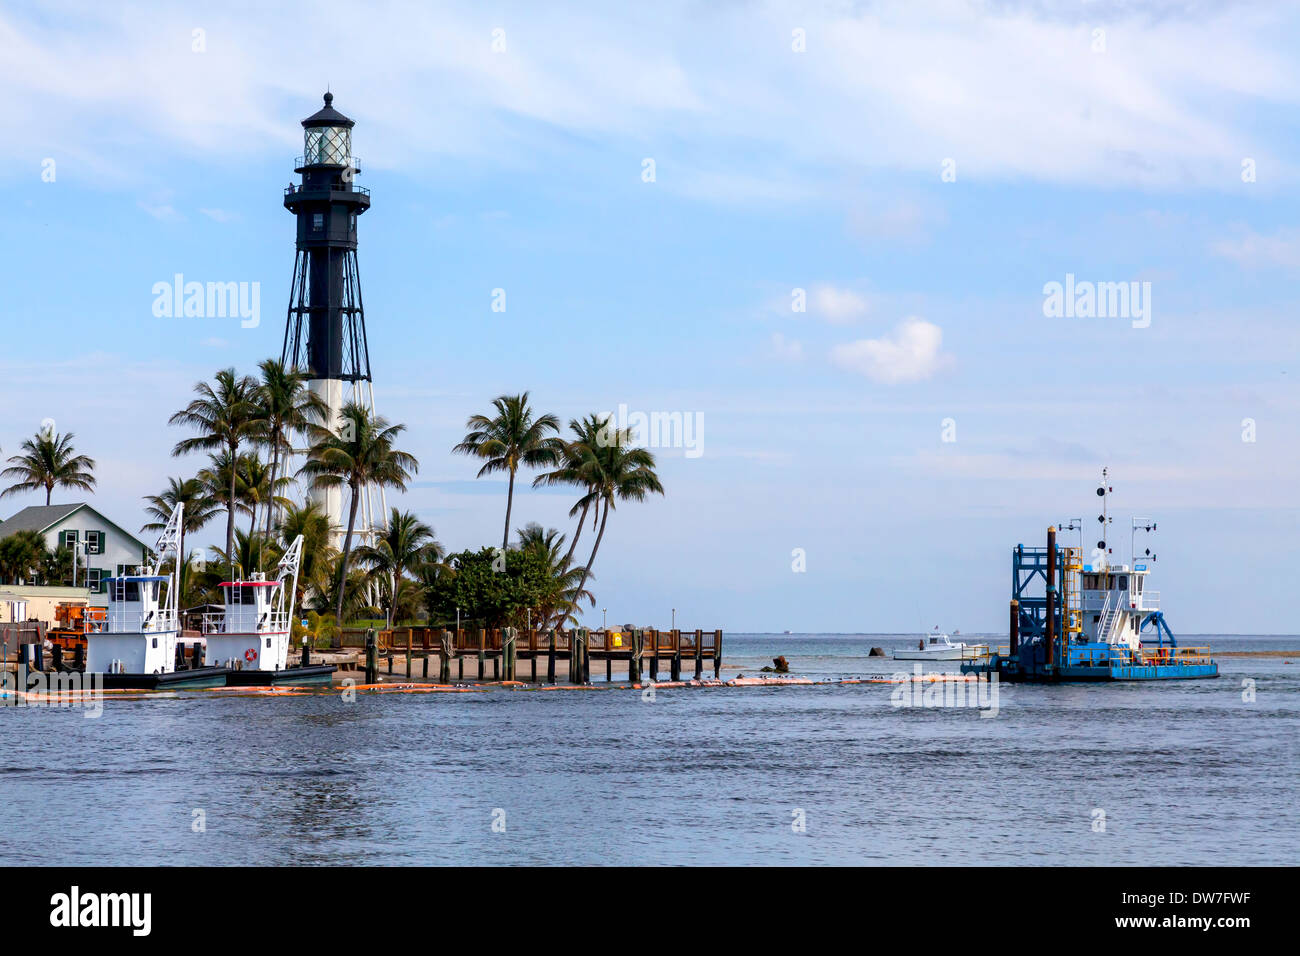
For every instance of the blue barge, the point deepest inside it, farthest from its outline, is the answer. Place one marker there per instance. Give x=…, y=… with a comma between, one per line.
x=1072, y=621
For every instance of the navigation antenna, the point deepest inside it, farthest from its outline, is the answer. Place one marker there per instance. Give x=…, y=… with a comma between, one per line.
x=1141, y=524
x=1104, y=519
x=1075, y=524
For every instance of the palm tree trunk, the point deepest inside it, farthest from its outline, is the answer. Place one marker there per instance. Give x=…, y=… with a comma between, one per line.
x=48, y=490
x=275, y=467
x=592, y=560
x=510, y=500
x=343, y=561
x=577, y=533
x=230, y=520
x=181, y=566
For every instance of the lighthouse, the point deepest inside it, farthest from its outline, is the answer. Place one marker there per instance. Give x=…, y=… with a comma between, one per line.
x=325, y=332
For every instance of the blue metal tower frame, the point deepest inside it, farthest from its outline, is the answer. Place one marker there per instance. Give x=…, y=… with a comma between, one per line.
x=1029, y=569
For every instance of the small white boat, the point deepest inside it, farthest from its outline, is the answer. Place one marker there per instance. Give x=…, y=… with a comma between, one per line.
x=940, y=647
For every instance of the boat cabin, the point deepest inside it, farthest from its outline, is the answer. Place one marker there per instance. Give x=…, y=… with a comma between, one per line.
x=1114, y=601
x=139, y=635
x=251, y=632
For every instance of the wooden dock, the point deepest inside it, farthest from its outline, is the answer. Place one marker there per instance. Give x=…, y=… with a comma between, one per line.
x=495, y=654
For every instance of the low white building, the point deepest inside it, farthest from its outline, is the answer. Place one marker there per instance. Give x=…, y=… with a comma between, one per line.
x=103, y=549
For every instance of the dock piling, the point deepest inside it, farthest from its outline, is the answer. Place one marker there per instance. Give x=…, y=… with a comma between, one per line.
x=508, y=638
x=372, y=657
x=1050, y=633
x=1014, y=629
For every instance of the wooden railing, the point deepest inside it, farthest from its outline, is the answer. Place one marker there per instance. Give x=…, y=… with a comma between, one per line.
x=575, y=646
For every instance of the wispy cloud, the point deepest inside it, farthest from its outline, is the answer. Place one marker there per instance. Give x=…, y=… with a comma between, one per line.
x=837, y=305
x=783, y=349
x=912, y=353
x=887, y=86
x=219, y=215
x=1254, y=250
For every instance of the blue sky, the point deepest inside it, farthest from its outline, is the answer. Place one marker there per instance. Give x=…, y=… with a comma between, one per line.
x=1115, y=156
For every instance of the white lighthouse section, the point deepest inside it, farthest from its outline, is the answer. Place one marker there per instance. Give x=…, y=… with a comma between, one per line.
x=372, y=509
x=139, y=636
x=329, y=500
x=252, y=631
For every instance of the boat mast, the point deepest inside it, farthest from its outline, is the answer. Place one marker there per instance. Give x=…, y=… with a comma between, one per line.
x=288, y=568
x=1104, y=518
x=169, y=543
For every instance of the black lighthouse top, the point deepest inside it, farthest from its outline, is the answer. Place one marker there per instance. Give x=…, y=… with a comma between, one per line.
x=327, y=116
x=327, y=137
x=326, y=331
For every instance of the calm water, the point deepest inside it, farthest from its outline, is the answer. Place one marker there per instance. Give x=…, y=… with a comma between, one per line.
x=1186, y=773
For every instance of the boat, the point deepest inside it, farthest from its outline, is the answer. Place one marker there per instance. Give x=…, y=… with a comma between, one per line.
x=135, y=645
x=1098, y=621
x=939, y=647
x=250, y=635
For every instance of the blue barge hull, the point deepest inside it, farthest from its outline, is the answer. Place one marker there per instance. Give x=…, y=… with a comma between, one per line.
x=1010, y=670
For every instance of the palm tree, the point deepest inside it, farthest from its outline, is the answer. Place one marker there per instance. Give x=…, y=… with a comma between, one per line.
x=226, y=416
x=621, y=472
x=359, y=455
x=341, y=591
x=406, y=543
x=287, y=407
x=563, y=592
x=249, y=555
x=49, y=460
x=318, y=551
x=576, y=467
x=254, y=487
x=22, y=555
x=199, y=507
x=511, y=438
x=56, y=567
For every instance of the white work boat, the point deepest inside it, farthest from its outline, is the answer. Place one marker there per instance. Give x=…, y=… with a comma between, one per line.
x=251, y=634
x=940, y=647
x=136, y=645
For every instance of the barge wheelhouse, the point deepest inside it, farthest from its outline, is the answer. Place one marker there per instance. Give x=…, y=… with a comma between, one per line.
x=251, y=634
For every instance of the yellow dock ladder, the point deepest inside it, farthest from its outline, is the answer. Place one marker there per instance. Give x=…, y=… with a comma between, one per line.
x=1072, y=609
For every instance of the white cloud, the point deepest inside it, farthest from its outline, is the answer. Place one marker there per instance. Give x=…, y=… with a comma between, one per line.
x=162, y=211
x=891, y=85
x=911, y=354
x=1251, y=249
x=219, y=215
x=839, y=306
